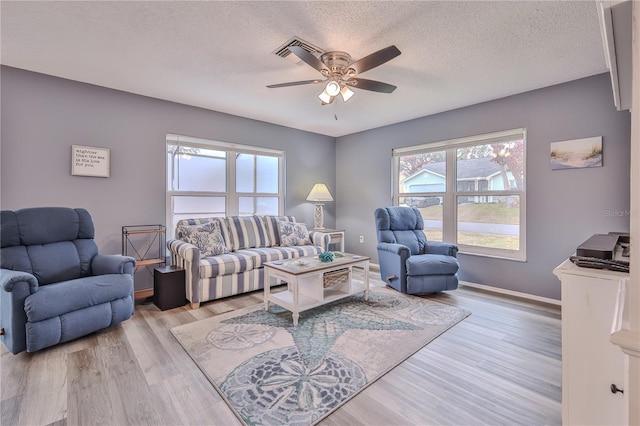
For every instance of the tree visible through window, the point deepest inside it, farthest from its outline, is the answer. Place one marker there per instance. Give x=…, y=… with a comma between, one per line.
x=470, y=191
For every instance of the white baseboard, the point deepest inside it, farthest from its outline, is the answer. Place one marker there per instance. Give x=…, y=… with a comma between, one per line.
x=512, y=293
x=376, y=267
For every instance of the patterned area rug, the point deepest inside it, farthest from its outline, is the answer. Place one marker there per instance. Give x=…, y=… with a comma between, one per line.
x=270, y=372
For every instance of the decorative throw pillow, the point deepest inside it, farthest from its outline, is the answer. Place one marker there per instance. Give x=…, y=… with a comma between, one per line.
x=293, y=234
x=207, y=237
x=271, y=224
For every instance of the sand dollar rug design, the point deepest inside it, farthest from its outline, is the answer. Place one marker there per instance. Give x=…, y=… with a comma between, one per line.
x=270, y=372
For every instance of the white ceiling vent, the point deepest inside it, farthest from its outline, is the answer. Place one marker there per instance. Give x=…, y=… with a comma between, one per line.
x=284, y=52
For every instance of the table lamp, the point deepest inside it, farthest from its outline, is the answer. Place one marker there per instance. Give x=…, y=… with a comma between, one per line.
x=319, y=193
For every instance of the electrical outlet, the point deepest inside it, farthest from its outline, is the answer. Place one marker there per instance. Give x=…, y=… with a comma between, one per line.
x=361, y=239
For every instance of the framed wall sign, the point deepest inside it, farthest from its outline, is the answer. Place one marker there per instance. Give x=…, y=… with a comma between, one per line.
x=90, y=161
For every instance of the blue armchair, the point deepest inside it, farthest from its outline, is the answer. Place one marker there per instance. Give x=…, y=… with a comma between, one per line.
x=54, y=286
x=408, y=262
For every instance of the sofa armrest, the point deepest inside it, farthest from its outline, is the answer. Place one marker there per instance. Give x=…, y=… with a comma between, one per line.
x=184, y=250
x=103, y=264
x=320, y=239
x=435, y=247
x=187, y=256
x=15, y=286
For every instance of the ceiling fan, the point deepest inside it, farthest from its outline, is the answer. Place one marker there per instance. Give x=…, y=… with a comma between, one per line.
x=340, y=73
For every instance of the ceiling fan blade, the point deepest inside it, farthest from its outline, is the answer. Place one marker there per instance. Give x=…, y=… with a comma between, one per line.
x=374, y=86
x=375, y=59
x=307, y=57
x=293, y=83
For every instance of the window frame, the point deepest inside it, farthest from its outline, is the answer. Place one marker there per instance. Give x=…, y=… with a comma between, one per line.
x=229, y=194
x=451, y=193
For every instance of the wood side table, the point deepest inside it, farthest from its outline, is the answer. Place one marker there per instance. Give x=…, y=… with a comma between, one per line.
x=169, y=287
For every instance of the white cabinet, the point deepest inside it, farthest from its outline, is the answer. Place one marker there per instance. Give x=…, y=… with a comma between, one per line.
x=590, y=362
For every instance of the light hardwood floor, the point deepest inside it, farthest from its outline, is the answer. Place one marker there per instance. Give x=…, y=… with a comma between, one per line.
x=499, y=366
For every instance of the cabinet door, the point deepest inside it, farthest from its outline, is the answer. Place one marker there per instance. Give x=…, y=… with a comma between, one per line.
x=590, y=362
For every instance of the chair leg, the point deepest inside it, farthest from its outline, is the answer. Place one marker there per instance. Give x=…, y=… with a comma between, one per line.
x=195, y=305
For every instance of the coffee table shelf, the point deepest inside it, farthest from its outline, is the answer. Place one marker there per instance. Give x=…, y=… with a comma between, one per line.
x=305, y=282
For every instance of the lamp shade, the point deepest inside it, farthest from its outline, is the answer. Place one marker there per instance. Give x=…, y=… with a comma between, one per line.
x=325, y=98
x=319, y=193
x=346, y=93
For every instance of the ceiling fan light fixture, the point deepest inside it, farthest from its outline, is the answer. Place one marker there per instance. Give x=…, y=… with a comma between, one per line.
x=339, y=72
x=325, y=97
x=332, y=88
x=346, y=93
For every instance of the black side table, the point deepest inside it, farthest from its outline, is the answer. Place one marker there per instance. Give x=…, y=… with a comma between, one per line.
x=168, y=287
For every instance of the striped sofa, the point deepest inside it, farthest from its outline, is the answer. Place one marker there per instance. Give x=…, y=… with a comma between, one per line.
x=249, y=242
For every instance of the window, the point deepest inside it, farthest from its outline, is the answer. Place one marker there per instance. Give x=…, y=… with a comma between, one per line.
x=470, y=191
x=209, y=178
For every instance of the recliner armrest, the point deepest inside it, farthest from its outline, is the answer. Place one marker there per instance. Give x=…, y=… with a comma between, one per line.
x=435, y=247
x=9, y=278
x=393, y=270
x=103, y=264
x=15, y=287
x=399, y=249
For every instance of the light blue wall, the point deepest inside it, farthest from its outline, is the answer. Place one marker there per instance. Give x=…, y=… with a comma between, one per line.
x=564, y=207
x=42, y=116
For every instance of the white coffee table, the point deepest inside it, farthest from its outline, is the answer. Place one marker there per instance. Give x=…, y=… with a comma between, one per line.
x=305, y=278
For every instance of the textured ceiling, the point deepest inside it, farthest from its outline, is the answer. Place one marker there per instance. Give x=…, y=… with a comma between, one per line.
x=218, y=55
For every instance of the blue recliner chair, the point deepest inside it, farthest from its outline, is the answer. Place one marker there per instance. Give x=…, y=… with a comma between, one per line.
x=54, y=286
x=408, y=262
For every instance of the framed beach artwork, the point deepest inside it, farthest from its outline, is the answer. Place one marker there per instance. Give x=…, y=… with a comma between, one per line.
x=576, y=154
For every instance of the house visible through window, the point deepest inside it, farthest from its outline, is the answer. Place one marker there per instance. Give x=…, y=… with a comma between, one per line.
x=209, y=178
x=470, y=191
